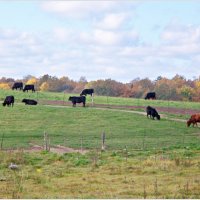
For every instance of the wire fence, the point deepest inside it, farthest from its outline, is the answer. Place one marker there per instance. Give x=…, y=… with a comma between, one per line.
x=108, y=143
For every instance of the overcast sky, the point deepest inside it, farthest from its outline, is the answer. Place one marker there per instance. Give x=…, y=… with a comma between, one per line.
x=120, y=40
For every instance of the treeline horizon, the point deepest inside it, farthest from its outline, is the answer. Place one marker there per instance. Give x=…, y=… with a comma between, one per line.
x=176, y=88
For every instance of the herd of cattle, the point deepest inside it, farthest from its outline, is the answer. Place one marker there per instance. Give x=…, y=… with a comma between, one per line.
x=152, y=112
x=9, y=100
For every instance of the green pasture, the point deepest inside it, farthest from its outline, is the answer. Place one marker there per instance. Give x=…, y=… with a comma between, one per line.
x=79, y=127
x=144, y=158
x=106, y=100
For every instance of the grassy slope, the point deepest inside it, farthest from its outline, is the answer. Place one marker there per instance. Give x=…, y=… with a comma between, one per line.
x=161, y=161
x=19, y=95
x=22, y=125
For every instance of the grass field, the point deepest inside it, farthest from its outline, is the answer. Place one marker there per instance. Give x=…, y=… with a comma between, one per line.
x=144, y=158
x=22, y=125
x=19, y=95
x=100, y=175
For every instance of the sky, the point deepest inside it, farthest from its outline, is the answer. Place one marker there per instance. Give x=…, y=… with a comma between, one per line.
x=119, y=40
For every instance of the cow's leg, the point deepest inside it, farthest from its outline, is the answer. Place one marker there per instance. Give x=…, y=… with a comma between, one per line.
x=83, y=104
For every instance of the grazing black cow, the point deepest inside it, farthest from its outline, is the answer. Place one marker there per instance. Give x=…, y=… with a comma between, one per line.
x=9, y=100
x=29, y=102
x=29, y=87
x=17, y=85
x=87, y=91
x=152, y=112
x=75, y=100
x=151, y=95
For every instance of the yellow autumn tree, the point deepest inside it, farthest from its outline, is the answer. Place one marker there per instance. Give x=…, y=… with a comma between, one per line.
x=31, y=81
x=197, y=84
x=44, y=86
x=197, y=90
x=187, y=92
x=4, y=86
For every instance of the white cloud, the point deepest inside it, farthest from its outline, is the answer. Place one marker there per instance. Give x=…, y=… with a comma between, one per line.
x=63, y=34
x=180, y=41
x=181, y=34
x=101, y=50
x=112, y=21
x=103, y=37
x=77, y=9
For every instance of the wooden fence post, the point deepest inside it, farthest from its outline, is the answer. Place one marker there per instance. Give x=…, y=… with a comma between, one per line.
x=103, y=147
x=92, y=100
x=2, y=141
x=81, y=143
x=46, y=142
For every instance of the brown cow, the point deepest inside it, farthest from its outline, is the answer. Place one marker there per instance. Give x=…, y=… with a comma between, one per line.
x=193, y=120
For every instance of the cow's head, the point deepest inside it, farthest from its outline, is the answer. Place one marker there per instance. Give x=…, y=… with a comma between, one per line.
x=70, y=98
x=4, y=103
x=158, y=117
x=189, y=123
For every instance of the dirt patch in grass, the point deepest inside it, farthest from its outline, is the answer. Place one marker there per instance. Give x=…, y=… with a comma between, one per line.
x=159, y=109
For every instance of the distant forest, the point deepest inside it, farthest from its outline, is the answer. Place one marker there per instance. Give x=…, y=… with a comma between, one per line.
x=177, y=88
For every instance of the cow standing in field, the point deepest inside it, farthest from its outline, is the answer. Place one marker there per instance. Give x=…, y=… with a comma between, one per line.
x=87, y=91
x=150, y=95
x=152, y=112
x=17, y=85
x=29, y=87
x=75, y=100
x=29, y=102
x=194, y=119
x=9, y=100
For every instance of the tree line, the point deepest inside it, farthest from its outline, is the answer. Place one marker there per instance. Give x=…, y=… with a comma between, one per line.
x=176, y=88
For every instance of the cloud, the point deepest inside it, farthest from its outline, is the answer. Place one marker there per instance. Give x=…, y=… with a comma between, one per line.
x=102, y=50
x=77, y=9
x=181, y=34
x=63, y=34
x=180, y=41
x=112, y=21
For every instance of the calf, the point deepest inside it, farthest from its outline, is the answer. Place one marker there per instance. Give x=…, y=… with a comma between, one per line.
x=17, y=85
x=87, y=91
x=152, y=112
x=29, y=87
x=193, y=120
x=29, y=102
x=9, y=100
x=75, y=100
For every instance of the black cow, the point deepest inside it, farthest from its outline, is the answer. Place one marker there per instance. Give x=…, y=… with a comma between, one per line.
x=29, y=87
x=151, y=95
x=75, y=100
x=152, y=112
x=87, y=91
x=9, y=100
x=17, y=85
x=29, y=102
